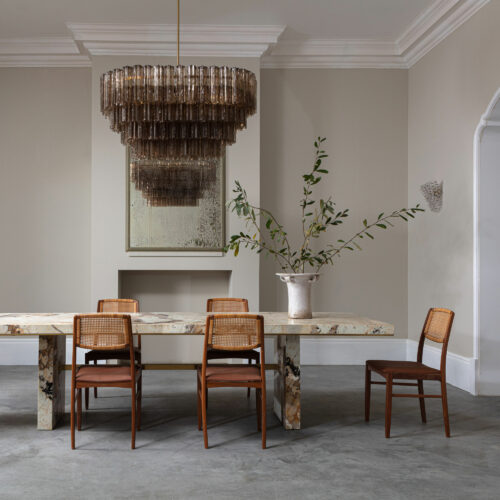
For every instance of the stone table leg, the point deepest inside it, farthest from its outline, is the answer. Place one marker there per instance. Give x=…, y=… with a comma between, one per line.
x=287, y=381
x=51, y=359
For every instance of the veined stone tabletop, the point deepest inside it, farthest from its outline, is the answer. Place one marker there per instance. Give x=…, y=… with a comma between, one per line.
x=191, y=323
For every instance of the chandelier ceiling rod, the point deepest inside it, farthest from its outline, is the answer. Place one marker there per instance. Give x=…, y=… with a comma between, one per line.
x=178, y=30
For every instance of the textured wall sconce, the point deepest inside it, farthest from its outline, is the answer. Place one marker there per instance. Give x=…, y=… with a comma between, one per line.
x=433, y=193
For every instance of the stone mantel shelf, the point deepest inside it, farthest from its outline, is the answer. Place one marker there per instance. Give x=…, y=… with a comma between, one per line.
x=193, y=323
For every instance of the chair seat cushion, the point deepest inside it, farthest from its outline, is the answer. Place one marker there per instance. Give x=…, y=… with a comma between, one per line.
x=104, y=374
x=220, y=354
x=233, y=373
x=403, y=369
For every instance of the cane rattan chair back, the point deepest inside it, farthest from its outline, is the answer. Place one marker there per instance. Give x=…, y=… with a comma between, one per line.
x=227, y=305
x=234, y=332
x=97, y=354
x=437, y=325
x=102, y=331
x=118, y=306
x=231, y=305
x=437, y=328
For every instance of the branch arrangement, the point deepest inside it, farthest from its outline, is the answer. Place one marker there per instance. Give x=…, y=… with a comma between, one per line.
x=317, y=218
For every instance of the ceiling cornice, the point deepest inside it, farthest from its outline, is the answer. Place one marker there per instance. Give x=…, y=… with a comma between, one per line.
x=161, y=40
x=44, y=61
x=333, y=54
x=423, y=34
x=190, y=33
x=42, y=45
x=431, y=27
x=458, y=13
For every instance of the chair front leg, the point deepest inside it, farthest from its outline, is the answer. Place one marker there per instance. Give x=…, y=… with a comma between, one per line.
x=198, y=400
x=95, y=388
x=139, y=402
x=248, y=390
x=420, y=384
x=134, y=403
x=87, y=391
x=79, y=409
x=444, y=399
x=368, y=390
x=72, y=424
x=204, y=411
x=263, y=418
x=388, y=406
x=258, y=402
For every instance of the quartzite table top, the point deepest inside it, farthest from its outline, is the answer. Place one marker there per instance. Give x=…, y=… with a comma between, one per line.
x=193, y=323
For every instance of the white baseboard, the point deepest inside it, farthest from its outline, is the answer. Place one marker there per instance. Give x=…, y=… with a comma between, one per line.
x=461, y=371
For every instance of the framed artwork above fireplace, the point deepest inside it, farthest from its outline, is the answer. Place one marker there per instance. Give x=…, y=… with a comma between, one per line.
x=173, y=206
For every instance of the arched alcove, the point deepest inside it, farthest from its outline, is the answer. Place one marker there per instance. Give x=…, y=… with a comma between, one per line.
x=487, y=249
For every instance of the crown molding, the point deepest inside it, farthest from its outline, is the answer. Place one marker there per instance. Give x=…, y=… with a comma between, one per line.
x=333, y=54
x=332, y=62
x=44, y=61
x=190, y=33
x=432, y=26
x=457, y=15
x=423, y=22
x=170, y=49
x=42, y=45
x=161, y=39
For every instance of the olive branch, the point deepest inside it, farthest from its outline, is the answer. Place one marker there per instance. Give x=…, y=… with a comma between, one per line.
x=317, y=218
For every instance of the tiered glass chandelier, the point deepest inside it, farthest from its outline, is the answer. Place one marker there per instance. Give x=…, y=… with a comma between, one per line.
x=178, y=112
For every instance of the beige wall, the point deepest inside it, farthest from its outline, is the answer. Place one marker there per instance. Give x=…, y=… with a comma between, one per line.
x=363, y=114
x=449, y=89
x=45, y=189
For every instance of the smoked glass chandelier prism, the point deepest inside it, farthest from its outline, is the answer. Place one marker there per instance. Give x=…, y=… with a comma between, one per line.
x=178, y=112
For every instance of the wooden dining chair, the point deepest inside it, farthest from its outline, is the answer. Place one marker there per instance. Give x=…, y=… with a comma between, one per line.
x=437, y=328
x=227, y=305
x=104, y=332
x=113, y=306
x=233, y=333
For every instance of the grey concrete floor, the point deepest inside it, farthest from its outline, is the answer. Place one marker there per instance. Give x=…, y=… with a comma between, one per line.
x=335, y=455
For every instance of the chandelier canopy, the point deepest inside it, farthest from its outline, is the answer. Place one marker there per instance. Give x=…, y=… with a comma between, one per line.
x=178, y=112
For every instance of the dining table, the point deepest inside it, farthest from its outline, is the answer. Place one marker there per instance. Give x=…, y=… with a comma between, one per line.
x=52, y=329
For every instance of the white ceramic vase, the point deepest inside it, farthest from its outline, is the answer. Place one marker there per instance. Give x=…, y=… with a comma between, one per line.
x=299, y=293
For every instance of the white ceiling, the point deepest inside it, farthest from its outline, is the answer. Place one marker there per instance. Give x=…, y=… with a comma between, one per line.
x=367, y=19
x=284, y=33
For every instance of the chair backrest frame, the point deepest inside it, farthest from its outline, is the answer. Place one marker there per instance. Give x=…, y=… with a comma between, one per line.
x=445, y=337
x=235, y=305
x=127, y=327
x=259, y=330
x=122, y=305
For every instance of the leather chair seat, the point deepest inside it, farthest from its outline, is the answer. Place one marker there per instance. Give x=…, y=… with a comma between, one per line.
x=104, y=374
x=232, y=373
x=402, y=369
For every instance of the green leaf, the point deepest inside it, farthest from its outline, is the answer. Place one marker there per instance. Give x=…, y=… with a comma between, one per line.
x=369, y=235
x=383, y=226
x=365, y=223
